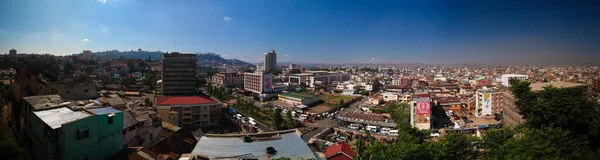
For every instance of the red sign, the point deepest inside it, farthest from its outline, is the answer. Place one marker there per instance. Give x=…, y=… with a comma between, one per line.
x=423, y=107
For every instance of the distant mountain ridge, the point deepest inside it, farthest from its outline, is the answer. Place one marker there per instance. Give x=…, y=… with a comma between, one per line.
x=204, y=59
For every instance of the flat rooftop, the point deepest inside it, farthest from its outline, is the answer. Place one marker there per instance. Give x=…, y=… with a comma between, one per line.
x=183, y=100
x=56, y=117
x=297, y=95
x=45, y=101
x=287, y=143
x=540, y=86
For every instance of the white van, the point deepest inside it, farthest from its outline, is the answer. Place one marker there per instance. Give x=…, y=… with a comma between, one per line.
x=385, y=130
x=303, y=117
x=393, y=133
x=354, y=126
x=372, y=129
x=254, y=124
x=238, y=116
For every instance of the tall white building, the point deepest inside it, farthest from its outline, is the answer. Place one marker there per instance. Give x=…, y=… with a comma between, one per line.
x=507, y=77
x=270, y=61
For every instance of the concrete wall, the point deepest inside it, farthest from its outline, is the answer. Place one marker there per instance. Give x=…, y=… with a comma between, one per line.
x=110, y=136
x=86, y=147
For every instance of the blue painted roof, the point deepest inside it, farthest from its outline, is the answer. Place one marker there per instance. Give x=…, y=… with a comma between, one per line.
x=105, y=110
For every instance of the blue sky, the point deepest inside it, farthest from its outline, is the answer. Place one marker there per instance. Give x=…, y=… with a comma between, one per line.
x=318, y=31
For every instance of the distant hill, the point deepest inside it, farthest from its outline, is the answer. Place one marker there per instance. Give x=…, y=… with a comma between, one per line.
x=204, y=59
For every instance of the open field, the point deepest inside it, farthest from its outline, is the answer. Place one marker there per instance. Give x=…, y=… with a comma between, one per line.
x=334, y=99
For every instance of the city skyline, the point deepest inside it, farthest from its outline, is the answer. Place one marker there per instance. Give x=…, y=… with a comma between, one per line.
x=552, y=32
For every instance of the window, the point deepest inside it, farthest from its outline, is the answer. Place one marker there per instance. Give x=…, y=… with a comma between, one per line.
x=83, y=133
x=85, y=91
x=111, y=118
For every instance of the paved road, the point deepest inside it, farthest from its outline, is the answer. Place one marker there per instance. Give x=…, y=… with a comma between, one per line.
x=320, y=124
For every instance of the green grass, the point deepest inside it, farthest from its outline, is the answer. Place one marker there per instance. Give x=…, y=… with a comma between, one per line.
x=334, y=99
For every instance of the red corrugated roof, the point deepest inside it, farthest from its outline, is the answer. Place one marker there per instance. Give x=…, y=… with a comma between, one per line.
x=182, y=100
x=338, y=149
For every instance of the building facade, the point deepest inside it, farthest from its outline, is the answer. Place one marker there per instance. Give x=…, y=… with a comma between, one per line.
x=12, y=52
x=178, y=74
x=297, y=99
x=258, y=82
x=270, y=62
x=488, y=102
x=228, y=79
x=87, y=55
x=420, y=113
x=506, y=78
x=57, y=131
x=319, y=78
x=192, y=111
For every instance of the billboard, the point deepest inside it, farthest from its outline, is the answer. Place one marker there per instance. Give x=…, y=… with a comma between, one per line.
x=423, y=107
x=486, y=108
x=267, y=83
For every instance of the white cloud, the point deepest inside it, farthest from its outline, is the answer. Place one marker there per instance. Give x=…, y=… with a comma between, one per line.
x=86, y=40
x=227, y=19
x=102, y=1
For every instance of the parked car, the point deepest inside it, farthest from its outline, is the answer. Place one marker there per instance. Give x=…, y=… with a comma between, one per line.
x=354, y=126
x=468, y=121
x=457, y=118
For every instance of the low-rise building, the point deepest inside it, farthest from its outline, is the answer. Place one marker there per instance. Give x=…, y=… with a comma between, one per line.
x=506, y=78
x=297, y=99
x=266, y=145
x=57, y=131
x=228, y=79
x=192, y=111
x=389, y=96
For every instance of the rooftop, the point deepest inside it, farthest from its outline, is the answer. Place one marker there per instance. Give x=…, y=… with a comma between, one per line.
x=183, y=100
x=105, y=110
x=286, y=143
x=540, y=86
x=56, y=117
x=45, y=101
x=297, y=95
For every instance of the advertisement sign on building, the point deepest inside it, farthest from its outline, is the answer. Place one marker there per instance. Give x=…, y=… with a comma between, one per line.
x=423, y=107
x=486, y=108
x=267, y=83
x=423, y=110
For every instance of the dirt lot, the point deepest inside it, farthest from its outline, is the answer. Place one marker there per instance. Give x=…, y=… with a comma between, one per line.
x=321, y=108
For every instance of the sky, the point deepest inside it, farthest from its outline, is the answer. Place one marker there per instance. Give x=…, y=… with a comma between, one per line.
x=313, y=31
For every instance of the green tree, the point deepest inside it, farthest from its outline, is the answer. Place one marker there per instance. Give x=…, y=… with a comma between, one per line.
x=276, y=118
x=201, y=82
x=341, y=101
x=493, y=142
x=455, y=146
x=401, y=115
x=566, y=108
x=546, y=143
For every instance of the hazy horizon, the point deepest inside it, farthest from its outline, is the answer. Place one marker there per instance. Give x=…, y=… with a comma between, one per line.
x=329, y=32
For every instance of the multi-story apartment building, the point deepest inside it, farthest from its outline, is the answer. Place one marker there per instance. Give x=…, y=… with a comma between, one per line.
x=488, y=101
x=258, y=82
x=228, y=79
x=87, y=55
x=192, y=111
x=506, y=78
x=178, y=74
x=57, y=131
x=270, y=62
x=420, y=113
